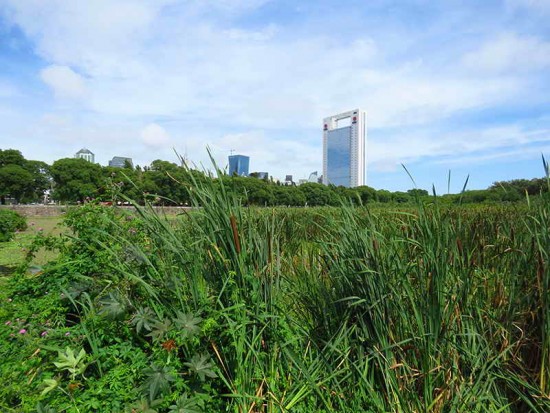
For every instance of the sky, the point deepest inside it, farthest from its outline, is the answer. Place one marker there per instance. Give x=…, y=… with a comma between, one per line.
x=451, y=88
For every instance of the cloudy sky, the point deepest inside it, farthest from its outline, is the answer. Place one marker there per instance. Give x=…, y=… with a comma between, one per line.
x=460, y=86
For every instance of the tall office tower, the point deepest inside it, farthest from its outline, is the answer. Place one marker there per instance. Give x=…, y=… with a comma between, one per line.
x=238, y=165
x=344, y=139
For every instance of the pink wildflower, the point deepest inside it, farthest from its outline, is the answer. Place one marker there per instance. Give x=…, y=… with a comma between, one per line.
x=7, y=323
x=22, y=331
x=43, y=333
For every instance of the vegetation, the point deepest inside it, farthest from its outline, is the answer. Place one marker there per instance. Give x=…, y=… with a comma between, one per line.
x=78, y=181
x=12, y=253
x=426, y=308
x=21, y=179
x=10, y=222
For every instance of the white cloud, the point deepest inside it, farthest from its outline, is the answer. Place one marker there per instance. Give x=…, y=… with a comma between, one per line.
x=263, y=88
x=412, y=147
x=65, y=83
x=509, y=53
x=155, y=136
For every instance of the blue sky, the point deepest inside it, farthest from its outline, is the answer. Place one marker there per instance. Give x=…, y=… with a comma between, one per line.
x=449, y=85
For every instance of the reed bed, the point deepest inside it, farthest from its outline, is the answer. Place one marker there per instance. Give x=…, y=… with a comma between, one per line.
x=428, y=309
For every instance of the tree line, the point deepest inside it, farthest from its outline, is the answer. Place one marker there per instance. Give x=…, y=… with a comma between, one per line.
x=72, y=180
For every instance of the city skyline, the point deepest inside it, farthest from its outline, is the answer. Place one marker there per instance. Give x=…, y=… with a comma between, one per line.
x=459, y=86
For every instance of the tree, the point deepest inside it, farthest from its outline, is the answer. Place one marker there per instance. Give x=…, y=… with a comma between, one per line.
x=75, y=179
x=21, y=179
x=15, y=182
x=11, y=157
x=318, y=194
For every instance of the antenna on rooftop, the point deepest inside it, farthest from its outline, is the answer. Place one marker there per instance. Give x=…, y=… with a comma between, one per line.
x=231, y=151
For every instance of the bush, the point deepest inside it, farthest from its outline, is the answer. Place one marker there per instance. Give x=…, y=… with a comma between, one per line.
x=10, y=221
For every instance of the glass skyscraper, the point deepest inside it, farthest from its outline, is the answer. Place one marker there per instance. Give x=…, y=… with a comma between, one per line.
x=238, y=165
x=344, y=138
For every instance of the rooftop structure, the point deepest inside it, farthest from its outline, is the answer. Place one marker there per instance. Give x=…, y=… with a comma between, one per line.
x=85, y=154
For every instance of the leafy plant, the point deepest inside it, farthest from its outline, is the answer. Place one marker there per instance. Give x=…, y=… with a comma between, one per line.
x=200, y=365
x=10, y=221
x=74, y=364
x=186, y=404
x=188, y=323
x=157, y=380
x=144, y=319
x=40, y=408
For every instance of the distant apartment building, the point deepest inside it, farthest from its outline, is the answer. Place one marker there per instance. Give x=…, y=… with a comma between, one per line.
x=238, y=165
x=344, y=140
x=85, y=154
x=121, y=162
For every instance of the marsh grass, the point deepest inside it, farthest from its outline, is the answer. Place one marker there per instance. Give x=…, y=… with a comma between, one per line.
x=425, y=309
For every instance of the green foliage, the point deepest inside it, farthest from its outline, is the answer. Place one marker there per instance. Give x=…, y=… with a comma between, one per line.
x=186, y=404
x=10, y=222
x=21, y=179
x=430, y=307
x=74, y=364
x=157, y=381
x=75, y=179
x=200, y=366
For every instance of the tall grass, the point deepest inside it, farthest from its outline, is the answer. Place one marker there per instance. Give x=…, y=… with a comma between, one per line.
x=429, y=309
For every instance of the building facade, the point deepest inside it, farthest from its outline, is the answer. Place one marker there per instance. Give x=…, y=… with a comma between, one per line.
x=85, y=154
x=121, y=162
x=344, y=149
x=238, y=165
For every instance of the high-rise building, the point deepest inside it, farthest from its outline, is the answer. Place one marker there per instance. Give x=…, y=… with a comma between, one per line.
x=344, y=139
x=85, y=154
x=238, y=165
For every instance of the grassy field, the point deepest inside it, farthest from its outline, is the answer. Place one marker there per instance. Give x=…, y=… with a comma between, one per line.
x=12, y=253
x=232, y=309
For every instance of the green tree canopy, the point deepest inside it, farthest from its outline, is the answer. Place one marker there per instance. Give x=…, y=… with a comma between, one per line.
x=22, y=179
x=75, y=179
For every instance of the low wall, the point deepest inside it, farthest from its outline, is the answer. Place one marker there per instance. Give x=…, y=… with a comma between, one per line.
x=56, y=210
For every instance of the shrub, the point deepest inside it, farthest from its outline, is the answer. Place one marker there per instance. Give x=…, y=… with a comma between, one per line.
x=10, y=221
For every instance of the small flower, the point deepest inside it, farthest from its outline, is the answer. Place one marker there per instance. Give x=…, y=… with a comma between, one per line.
x=9, y=300
x=132, y=231
x=22, y=331
x=43, y=333
x=40, y=229
x=8, y=323
x=67, y=333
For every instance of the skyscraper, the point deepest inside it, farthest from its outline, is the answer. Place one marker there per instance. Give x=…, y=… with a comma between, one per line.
x=238, y=165
x=344, y=139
